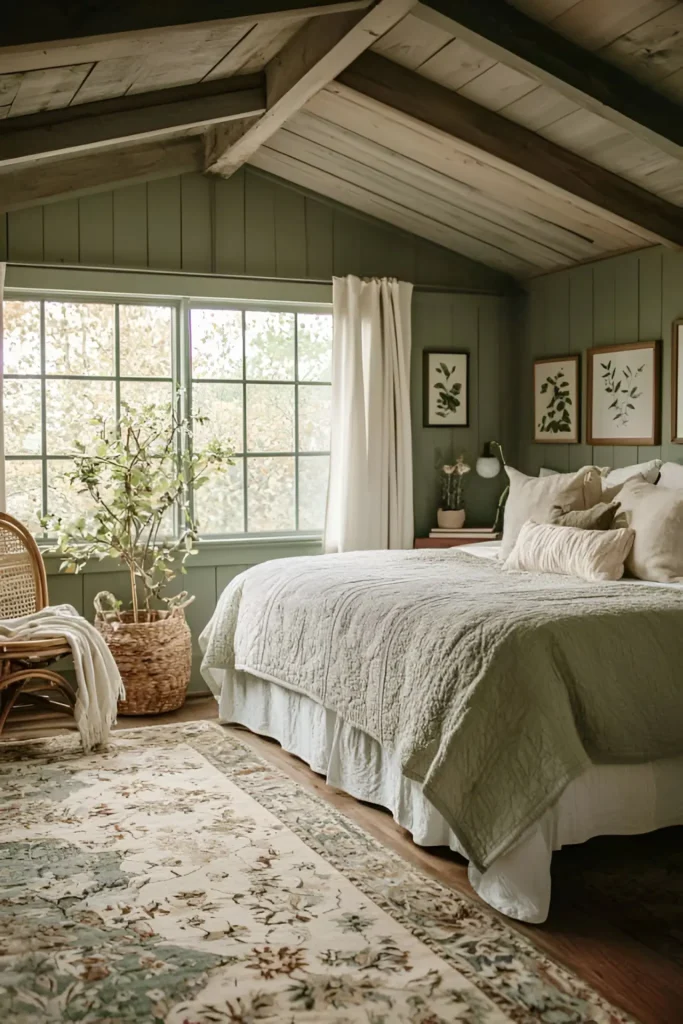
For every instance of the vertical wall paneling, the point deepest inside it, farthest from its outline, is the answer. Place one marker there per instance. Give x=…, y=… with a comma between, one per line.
x=399, y=260
x=96, y=229
x=651, y=327
x=251, y=223
x=347, y=245
x=319, y=239
x=604, y=331
x=197, y=223
x=672, y=308
x=25, y=235
x=581, y=339
x=259, y=227
x=479, y=325
x=626, y=320
x=200, y=581
x=229, y=230
x=432, y=446
x=130, y=226
x=164, y=235
x=537, y=455
x=490, y=410
x=556, y=340
x=290, y=234
x=3, y=236
x=61, y=232
x=632, y=297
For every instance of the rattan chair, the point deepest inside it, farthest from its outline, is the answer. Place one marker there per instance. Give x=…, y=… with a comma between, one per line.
x=25, y=665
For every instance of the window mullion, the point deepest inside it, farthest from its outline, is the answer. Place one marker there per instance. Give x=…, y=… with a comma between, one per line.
x=182, y=387
x=43, y=410
x=245, y=477
x=296, y=422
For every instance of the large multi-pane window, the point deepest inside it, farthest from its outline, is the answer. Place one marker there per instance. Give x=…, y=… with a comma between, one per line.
x=260, y=376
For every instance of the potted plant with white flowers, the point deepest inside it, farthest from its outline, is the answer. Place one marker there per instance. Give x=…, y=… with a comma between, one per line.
x=451, y=515
x=137, y=478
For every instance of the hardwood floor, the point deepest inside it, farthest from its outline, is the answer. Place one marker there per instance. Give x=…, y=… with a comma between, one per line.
x=616, y=917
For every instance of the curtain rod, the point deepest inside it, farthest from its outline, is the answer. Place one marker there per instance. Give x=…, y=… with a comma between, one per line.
x=433, y=289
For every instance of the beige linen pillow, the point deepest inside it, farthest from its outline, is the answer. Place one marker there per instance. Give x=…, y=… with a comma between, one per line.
x=671, y=476
x=588, y=554
x=532, y=497
x=655, y=513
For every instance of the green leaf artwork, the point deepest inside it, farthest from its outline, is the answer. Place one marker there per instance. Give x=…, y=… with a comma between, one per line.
x=622, y=386
x=448, y=391
x=556, y=416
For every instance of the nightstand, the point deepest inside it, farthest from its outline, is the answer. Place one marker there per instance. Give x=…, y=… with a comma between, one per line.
x=449, y=542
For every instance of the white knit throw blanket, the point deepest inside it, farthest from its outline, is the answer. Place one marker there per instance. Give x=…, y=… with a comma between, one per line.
x=98, y=678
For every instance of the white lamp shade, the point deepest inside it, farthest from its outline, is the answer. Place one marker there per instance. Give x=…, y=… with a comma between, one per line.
x=488, y=466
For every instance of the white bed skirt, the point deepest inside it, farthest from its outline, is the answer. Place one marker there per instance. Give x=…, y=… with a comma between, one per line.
x=606, y=800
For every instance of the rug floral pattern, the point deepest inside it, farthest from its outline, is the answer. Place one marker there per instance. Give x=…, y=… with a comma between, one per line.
x=177, y=877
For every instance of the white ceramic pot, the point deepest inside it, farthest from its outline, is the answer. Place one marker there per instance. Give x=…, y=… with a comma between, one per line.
x=451, y=520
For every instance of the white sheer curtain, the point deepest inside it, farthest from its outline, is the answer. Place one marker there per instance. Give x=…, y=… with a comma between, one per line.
x=3, y=506
x=370, y=496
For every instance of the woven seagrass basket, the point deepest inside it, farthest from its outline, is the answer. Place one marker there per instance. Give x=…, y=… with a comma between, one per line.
x=154, y=657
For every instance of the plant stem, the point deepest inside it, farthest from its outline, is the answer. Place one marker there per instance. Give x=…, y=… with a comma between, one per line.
x=134, y=590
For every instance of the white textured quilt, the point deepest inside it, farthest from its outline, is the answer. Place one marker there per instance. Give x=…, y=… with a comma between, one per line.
x=496, y=689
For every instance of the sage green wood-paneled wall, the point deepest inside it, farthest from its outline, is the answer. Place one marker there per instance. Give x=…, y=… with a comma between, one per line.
x=633, y=297
x=255, y=225
x=251, y=224
x=481, y=326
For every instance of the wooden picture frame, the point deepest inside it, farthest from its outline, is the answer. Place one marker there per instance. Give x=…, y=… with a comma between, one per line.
x=557, y=413
x=677, y=381
x=445, y=382
x=614, y=376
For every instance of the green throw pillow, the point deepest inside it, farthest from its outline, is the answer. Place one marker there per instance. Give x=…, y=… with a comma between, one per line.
x=599, y=517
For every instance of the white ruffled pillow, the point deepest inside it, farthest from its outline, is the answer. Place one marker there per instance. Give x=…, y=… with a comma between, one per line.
x=589, y=554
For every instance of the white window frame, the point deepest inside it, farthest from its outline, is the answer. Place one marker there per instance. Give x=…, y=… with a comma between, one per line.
x=182, y=292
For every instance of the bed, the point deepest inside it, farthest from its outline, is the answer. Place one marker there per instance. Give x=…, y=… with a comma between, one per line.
x=367, y=713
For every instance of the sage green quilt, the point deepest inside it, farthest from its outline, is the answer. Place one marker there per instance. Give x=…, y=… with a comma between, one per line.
x=495, y=688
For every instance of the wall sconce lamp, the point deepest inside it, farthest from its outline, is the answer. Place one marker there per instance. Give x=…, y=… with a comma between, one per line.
x=488, y=466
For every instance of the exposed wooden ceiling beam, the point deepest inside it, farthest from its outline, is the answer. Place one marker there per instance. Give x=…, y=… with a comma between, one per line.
x=557, y=168
x=505, y=33
x=75, y=175
x=308, y=62
x=44, y=21
x=144, y=43
x=144, y=115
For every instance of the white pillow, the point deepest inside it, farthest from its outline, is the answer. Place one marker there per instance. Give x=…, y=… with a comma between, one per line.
x=648, y=470
x=588, y=554
x=533, y=497
x=671, y=476
x=656, y=516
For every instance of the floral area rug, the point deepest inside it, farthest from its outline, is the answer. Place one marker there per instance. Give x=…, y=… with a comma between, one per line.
x=178, y=877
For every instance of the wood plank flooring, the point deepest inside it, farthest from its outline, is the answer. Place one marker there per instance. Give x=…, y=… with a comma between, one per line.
x=617, y=911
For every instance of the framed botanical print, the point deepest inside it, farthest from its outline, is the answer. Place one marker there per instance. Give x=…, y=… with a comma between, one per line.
x=623, y=394
x=677, y=383
x=557, y=415
x=446, y=389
